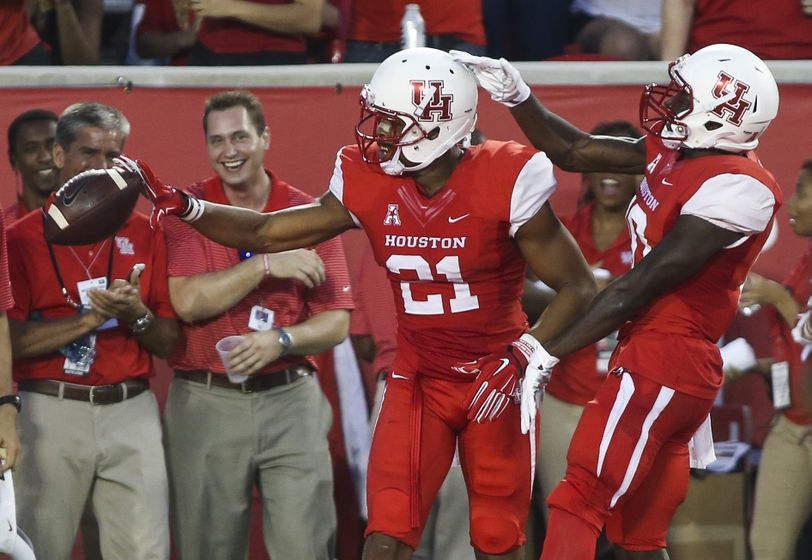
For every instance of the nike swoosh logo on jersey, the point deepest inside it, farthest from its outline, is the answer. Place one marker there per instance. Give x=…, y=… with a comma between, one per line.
x=667, y=183
x=397, y=376
x=457, y=219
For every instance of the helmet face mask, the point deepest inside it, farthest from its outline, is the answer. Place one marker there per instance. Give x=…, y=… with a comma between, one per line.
x=721, y=97
x=419, y=104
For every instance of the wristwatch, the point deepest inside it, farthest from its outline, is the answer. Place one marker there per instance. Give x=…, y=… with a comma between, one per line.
x=285, y=341
x=142, y=323
x=12, y=399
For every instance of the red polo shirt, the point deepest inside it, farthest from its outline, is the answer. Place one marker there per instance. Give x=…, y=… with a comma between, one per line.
x=17, y=35
x=191, y=253
x=37, y=294
x=6, y=296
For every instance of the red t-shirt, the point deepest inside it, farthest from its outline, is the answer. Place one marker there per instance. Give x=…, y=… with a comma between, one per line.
x=784, y=347
x=160, y=17
x=230, y=36
x=6, y=295
x=379, y=20
x=37, y=294
x=452, y=262
x=774, y=30
x=673, y=340
x=291, y=301
x=577, y=377
x=374, y=312
x=17, y=35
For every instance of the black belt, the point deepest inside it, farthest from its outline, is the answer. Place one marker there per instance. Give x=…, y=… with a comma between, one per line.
x=94, y=394
x=253, y=384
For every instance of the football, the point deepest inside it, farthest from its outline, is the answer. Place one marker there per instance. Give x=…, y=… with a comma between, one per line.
x=91, y=206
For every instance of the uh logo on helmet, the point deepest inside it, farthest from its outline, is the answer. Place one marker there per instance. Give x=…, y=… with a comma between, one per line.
x=722, y=96
x=419, y=103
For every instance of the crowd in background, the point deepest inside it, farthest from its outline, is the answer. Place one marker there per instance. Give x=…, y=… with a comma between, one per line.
x=262, y=32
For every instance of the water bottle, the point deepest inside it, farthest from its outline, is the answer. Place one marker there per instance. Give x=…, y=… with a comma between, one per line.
x=412, y=28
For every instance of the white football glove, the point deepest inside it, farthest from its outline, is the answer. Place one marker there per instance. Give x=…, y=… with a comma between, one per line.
x=535, y=379
x=498, y=77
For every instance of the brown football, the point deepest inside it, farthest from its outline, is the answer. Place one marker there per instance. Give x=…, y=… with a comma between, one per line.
x=92, y=206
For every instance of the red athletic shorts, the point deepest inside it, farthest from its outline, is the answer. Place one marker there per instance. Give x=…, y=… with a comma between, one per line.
x=627, y=464
x=412, y=449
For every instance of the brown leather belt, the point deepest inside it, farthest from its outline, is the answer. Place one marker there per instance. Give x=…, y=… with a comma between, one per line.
x=253, y=384
x=94, y=394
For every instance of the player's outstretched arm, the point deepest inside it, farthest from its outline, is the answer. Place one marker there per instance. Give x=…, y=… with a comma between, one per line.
x=566, y=145
x=680, y=255
x=292, y=228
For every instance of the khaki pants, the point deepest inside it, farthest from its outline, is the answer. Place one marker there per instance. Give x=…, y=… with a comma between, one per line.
x=222, y=443
x=783, y=499
x=112, y=453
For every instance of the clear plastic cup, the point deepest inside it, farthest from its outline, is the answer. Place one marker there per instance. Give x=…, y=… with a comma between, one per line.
x=224, y=347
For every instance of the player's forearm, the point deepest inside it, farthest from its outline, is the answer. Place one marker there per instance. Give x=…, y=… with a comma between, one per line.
x=568, y=304
x=300, y=16
x=30, y=339
x=548, y=132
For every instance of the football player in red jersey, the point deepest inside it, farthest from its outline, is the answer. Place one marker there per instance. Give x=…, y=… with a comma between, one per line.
x=698, y=221
x=454, y=226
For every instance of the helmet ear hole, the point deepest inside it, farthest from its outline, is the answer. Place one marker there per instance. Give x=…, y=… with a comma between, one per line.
x=713, y=125
x=435, y=132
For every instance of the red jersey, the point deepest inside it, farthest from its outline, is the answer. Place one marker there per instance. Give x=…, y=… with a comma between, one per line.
x=230, y=35
x=781, y=31
x=673, y=340
x=6, y=295
x=577, y=376
x=37, y=294
x=454, y=267
x=784, y=348
x=291, y=301
x=379, y=20
x=17, y=35
x=374, y=312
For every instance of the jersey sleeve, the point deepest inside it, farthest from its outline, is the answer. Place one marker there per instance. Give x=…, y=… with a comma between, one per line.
x=735, y=202
x=337, y=183
x=534, y=185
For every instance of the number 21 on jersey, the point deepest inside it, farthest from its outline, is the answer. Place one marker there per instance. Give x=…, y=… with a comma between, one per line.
x=449, y=267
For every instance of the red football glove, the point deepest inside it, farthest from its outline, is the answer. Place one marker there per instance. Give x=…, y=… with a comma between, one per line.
x=166, y=200
x=497, y=383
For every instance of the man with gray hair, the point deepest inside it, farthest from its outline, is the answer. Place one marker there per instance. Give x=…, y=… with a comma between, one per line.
x=85, y=322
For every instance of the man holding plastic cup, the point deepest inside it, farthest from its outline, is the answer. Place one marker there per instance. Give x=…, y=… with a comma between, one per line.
x=257, y=318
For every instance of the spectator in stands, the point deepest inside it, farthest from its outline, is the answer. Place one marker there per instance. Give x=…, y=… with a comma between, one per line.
x=783, y=498
x=19, y=43
x=781, y=31
x=522, y=30
x=71, y=27
x=374, y=32
x=9, y=401
x=373, y=329
x=225, y=438
x=168, y=30
x=254, y=32
x=90, y=421
x=617, y=29
x=30, y=152
x=599, y=228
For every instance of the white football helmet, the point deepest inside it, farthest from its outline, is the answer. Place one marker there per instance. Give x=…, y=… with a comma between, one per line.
x=722, y=96
x=419, y=103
